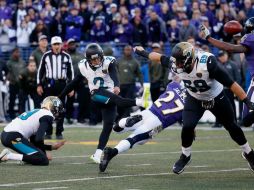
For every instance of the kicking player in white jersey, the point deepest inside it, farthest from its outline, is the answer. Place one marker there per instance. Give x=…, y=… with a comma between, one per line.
x=204, y=79
x=25, y=134
x=101, y=74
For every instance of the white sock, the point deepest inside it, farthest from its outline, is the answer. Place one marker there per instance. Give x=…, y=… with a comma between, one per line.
x=246, y=148
x=123, y=146
x=122, y=123
x=186, y=151
x=139, y=102
x=98, y=153
x=13, y=156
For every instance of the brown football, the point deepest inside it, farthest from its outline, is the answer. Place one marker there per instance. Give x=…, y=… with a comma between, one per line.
x=233, y=27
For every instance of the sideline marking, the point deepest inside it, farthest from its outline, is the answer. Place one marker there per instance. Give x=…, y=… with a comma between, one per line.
x=120, y=176
x=49, y=188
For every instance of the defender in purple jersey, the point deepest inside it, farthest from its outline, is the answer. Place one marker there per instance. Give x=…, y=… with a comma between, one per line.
x=165, y=111
x=246, y=46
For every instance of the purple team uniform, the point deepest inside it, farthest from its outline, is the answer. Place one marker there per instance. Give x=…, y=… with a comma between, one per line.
x=248, y=41
x=169, y=118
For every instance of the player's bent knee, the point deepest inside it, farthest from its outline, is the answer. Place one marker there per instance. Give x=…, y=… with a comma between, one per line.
x=38, y=159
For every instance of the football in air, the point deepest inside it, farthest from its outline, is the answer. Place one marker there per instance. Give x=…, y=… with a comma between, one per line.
x=233, y=27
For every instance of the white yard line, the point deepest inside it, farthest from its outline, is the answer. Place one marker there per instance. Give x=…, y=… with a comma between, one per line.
x=135, y=165
x=155, y=153
x=50, y=188
x=120, y=176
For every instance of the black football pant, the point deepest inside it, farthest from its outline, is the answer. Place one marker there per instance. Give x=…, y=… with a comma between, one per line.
x=31, y=154
x=222, y=110
x=108, y=113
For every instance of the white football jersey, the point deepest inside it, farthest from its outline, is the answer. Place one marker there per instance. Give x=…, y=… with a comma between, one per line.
x=27, y=123
x=198, y=83
x=100, y=77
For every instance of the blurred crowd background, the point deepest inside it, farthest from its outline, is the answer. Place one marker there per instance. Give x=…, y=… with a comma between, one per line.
x=117, y=25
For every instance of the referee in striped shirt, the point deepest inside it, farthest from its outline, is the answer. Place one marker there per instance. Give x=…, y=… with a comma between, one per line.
x=55, y=70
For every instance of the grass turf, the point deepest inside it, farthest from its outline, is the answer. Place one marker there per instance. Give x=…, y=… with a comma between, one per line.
x=216, y=164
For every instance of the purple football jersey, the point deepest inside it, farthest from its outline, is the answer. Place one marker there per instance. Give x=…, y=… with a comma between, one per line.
x=248, y=40
x=169, y=106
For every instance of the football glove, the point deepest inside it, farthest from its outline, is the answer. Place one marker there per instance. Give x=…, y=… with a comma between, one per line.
x=204, y=32
x=249, y=104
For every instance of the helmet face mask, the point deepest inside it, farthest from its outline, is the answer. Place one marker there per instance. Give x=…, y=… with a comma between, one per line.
x=54, y=105
x=249, y=26
x=182, y=57
x=94, y=55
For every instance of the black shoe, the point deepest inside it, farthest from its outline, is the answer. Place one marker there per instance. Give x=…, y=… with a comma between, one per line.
x=48, y=137
x=107, y=156
x=59, y=137
x=181, y=164
x=117, y=128
x=130, y=121
x=250, y=158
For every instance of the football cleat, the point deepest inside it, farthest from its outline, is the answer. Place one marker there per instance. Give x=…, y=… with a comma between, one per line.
x=107, y=156
x=250, y=158
x=95, y=159
x=3, y=155
x=132, y=120
x=181, y=164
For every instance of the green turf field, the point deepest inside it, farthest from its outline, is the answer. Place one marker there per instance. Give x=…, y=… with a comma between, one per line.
x=216, y=164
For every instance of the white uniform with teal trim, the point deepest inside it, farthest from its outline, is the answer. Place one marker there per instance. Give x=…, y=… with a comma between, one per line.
x=27, y=123
x=198, y=83
x=98, y=78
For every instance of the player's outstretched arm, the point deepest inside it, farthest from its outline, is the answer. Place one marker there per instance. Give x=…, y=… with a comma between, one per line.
x=205, y=34
x=153, y=56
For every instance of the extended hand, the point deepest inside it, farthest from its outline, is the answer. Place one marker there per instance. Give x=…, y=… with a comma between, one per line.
x=57, y=145
x=139, y=48
x=204, y=32
x=116, y=90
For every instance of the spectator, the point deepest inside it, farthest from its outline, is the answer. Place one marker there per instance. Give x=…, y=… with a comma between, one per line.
x=23, y=33
x=5, y=11
x=20, y=14
x=83, y=95
x=3, y=86
x=129, y=72
x=173, y=32
x=139, y=31
x=99, y=31
x=157, y=75
x=248, y=8
x=156, y=29
x=7, y=37
x=39, y=30
x=15, y=65
x=187, y=30
x=123, y=33
x=36, y=55
x=27, y=83
x=111, y=14
x=86, y=14
x=74, y=23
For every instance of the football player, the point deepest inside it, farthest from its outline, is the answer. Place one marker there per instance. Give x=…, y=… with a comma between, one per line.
x=101, y=73
x=204, y=79
x=246, y=46
x=165, y=111
x=25, y=134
